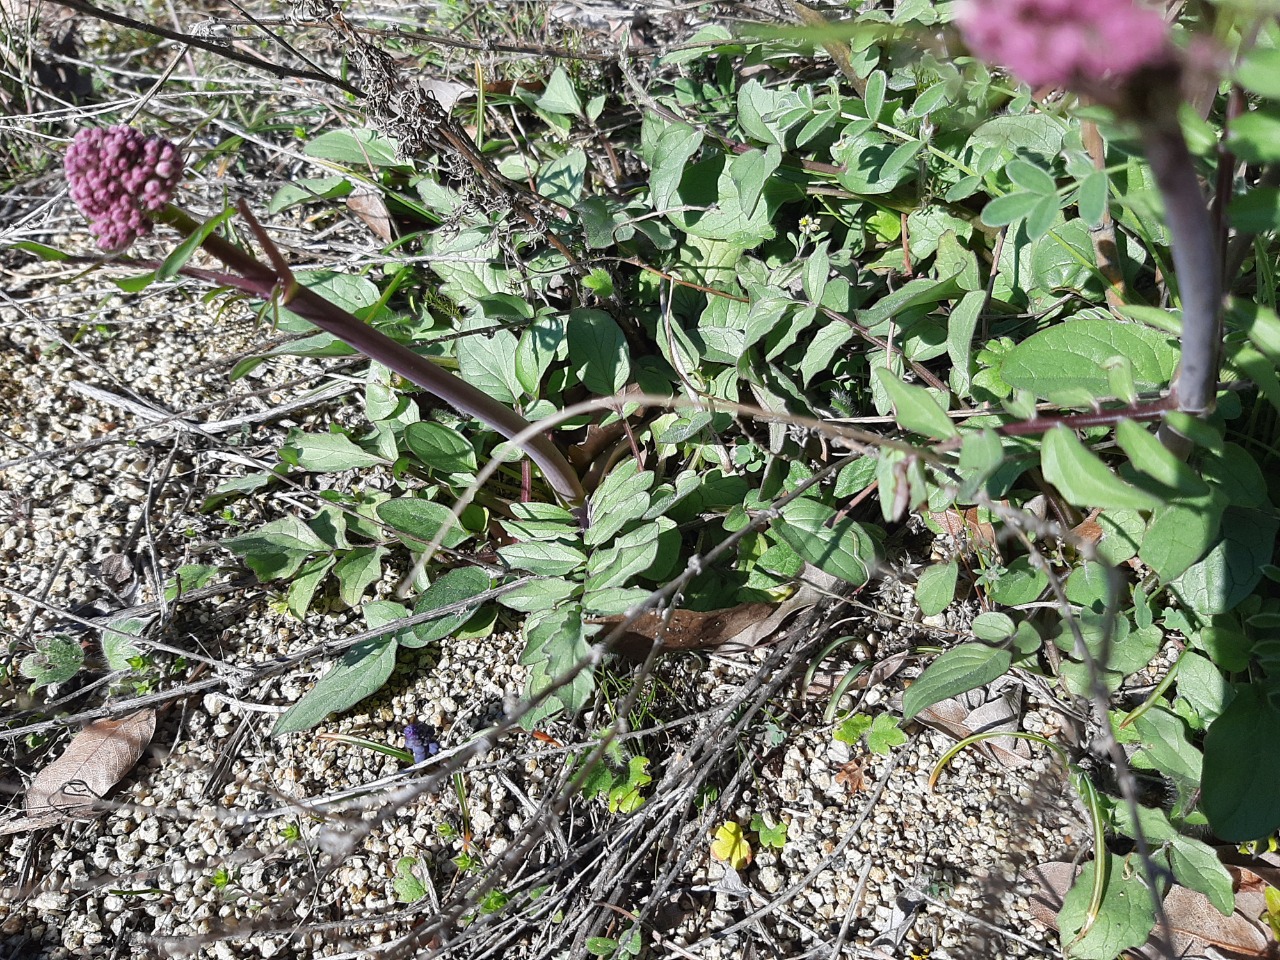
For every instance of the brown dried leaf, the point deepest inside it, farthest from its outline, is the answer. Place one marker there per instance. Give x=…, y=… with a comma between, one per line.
x=367, y=204
x=965, y=524
x=690, y=629
x=95, y=760
x=851, y=776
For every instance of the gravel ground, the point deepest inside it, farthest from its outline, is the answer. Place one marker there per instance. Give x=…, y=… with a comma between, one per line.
x=225, y=842
x=118, y=419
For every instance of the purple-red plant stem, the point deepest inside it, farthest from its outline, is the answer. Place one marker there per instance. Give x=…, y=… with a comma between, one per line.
x=1196, y=263
x=251, y=276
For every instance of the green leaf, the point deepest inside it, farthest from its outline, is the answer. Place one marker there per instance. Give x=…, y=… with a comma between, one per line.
x=327, y=452
x=416, y=522
x=357, y=148
x=623, y=496
x=1083, y=479
x=630, y=554
x=352, y=293
x=1093, y=197
x=966, y=667
x=1148, y=455
x=562, y=179
x=184, y=251
x=357, y=571
x=1255, y=135
x=915, y=408
x=624, y=795
x=1202, y=685
x=441, y=448
x=1233, y=567
x=408, y=888
x=539, y=345
x=1165, y=746
x=1010, y=208
x=770, y=836
x=1260, y=71
x=303, y=588
x=852, y=729
x=841, y=548
x=545, y=559
x=994, y=627
x=118, y=637
x=1242, y=767
x=1067, y=363
x=555, y=644
x=1021, y=582
x=677, y=143
x=453, y=587
x=559, y=96
x=936, y=588
x=57, y=657
x=749, y=172
x=189, y=577
x=1181, y=534
x=1195, y=864
x=598, y=352
x=539, y=595
x=1125, y=920
x=962, y=324
x=884, y=735
x=488, y=360
x=360, y=673
x=276, y=549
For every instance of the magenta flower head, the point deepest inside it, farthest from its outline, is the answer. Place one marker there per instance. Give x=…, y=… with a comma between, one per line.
x=1072, y=43
x=118, y=177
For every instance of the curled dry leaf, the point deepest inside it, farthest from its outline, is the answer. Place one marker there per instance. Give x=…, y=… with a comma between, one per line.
x=95, y=760
x=851, y=776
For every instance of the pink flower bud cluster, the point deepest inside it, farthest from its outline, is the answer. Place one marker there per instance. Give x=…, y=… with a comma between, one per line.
x=117, y=178
x=1065, y=42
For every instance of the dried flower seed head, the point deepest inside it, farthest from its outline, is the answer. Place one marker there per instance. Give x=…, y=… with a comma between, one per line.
x=118, y=177
x=1065, y=42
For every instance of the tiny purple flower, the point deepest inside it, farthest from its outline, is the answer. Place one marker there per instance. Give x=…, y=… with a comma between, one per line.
x=420, y=739
x=1065, y=42
x=117, y=176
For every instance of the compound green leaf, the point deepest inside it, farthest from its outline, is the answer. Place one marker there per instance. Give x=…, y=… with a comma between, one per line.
x=57, y=657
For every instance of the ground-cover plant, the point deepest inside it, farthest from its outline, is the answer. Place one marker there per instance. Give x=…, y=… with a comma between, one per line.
x=923, y=249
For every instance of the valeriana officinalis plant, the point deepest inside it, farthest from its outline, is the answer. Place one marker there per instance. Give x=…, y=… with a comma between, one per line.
x=122, y=181
x=1118, y=53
